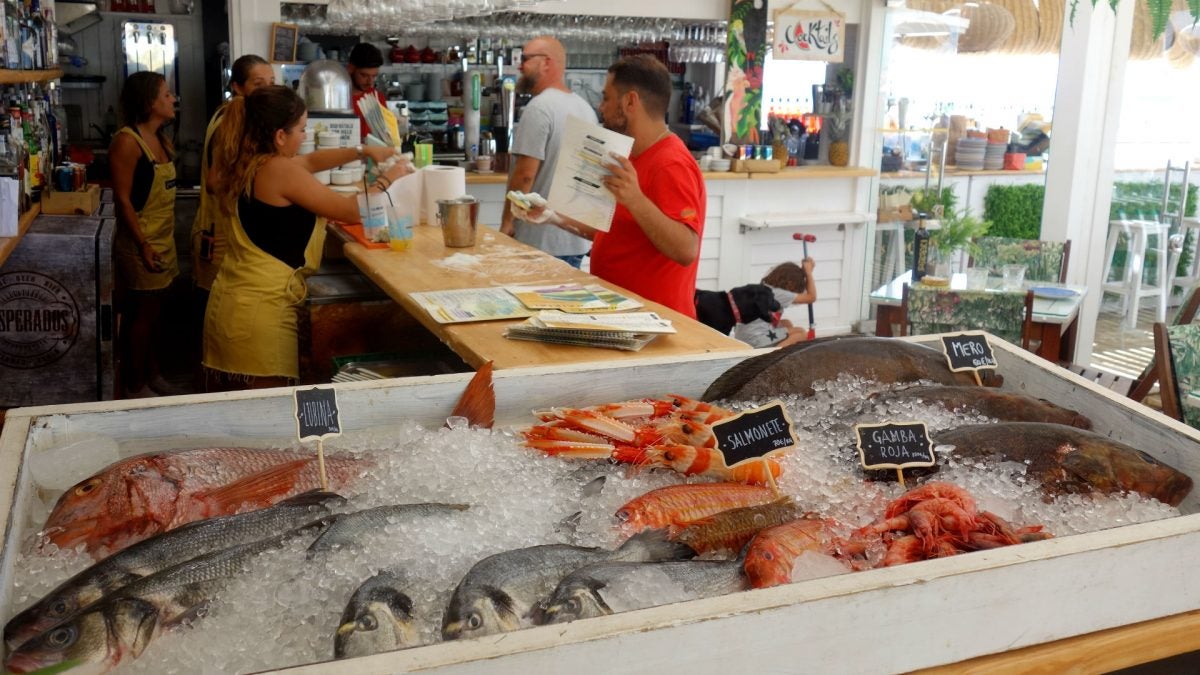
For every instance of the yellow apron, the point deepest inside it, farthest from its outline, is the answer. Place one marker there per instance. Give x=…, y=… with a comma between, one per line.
x=157, y=222
x=210, y=229
x=250, y=325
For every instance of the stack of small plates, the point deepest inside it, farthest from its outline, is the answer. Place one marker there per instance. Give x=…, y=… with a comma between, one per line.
x=970, y=153
x=993, y=158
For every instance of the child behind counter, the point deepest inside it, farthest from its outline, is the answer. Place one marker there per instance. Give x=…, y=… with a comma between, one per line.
x=791, y=285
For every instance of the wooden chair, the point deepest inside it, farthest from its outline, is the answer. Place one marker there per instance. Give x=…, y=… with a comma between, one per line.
x=1005, y=314
x=1043, y=260
x=1184, y=315
x=1177, y=351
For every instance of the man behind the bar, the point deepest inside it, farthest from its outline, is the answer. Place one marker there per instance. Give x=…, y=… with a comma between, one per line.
x=653, y=247
x=365, y=61
x=535, y=144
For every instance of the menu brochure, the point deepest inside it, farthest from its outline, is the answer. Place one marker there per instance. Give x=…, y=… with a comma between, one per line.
x=577, y=188
x=629, y=332
x=470, y=304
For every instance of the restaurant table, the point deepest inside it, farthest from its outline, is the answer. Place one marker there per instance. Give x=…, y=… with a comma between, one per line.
x=500, y=260
x=1055, y=320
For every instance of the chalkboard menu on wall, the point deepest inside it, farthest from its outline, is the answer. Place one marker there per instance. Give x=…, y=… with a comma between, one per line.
x=284, y=37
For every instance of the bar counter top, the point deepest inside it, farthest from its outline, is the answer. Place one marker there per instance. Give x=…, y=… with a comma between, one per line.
x=499, y=260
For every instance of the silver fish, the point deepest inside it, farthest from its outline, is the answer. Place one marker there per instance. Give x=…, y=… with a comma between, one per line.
x=378, y=618
x=350, y=528
x=160, y=552
x=122, y=625
x=610, y=588
x=501, y=591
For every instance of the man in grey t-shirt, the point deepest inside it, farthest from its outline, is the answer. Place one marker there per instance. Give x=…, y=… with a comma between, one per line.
x=535, y=144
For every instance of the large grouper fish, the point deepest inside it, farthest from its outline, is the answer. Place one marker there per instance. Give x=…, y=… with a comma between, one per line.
x=160, y=552
x=501, y=592
x=1070, y=460
x=793, y=370
x=1006, y=406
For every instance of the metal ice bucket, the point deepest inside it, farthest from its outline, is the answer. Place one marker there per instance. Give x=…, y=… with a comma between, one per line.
x=457, y=218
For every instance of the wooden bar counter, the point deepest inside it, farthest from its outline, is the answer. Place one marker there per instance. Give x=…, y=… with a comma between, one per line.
x=499, y=260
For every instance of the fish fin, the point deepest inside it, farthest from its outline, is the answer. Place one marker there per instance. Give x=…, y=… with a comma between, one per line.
x=478, y=401
x=323, y=525
x=569, y=525
x=732, y=380
x=503, y=602
x=259, y=489
x=316, y=497
x=652, y=546
x=136, y=616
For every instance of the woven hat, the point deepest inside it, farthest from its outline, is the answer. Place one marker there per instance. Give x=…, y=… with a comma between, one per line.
x=1051, y=14
x=1025, y=28
x=991, y=25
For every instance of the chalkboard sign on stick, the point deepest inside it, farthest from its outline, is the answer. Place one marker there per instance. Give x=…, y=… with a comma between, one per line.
x=317, y=414
x=284, y=38
x=754, y=434
x=968, y=351
x=893, y=445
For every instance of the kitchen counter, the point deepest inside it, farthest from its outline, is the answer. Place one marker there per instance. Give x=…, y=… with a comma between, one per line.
x=501, y=261
x=789, y=173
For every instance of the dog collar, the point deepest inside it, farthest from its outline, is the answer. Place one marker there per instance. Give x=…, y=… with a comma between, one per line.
x=737, y=316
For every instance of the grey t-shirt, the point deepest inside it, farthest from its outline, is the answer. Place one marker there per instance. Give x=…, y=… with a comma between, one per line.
x=538, y=135
x=759, y=333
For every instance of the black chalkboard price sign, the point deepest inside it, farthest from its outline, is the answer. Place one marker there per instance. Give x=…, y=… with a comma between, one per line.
x=284, y=39
x=894, y=445
x=968, y=351
x=317, y=414
x=754, y=434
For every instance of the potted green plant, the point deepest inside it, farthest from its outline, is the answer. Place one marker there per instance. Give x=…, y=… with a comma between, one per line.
x=958, y=231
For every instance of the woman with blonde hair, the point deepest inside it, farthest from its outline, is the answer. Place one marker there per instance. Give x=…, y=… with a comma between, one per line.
x=277, y=211
x=143, y=178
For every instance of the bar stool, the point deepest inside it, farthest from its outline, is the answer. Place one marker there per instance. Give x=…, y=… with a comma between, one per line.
x=1130, y=288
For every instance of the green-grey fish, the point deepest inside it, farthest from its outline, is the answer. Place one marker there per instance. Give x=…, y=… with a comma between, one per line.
x=350, y=528
x=501, y=591
x=121, y=625
x=1070, y=460
x=794, y=369
x=160, y=552
x=378, y=618
x=611, y=588
x=1006, y=406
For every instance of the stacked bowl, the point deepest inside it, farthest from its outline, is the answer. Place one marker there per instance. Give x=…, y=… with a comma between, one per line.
x=993, y=156
x=970, y=153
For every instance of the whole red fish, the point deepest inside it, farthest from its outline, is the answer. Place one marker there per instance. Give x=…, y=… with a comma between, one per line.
x=139, y=497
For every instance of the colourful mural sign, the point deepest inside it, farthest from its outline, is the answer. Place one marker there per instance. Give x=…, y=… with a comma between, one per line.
x=746, y=48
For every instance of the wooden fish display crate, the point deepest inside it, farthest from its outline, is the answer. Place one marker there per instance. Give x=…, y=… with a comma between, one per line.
x=893, y=619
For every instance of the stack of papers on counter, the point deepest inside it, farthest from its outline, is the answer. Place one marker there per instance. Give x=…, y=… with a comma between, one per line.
x=629, y=332
x=572, y=297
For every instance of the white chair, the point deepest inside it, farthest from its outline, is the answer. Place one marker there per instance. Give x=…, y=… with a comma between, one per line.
x=892, y=261
x=1130, y=287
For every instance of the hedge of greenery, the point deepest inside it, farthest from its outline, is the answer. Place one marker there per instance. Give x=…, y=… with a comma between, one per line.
x=1014, y=210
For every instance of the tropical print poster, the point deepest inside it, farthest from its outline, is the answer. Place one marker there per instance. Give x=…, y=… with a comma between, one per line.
x=745, y=50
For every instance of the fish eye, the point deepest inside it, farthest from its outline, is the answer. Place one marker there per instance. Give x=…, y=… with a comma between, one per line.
x=59, y=608
x=368, y=622
x=623, y=514
x=61, y=637
x=669, y=455
x=474, y=621
x=573, y=605
x=87, y=487
x=767, y=555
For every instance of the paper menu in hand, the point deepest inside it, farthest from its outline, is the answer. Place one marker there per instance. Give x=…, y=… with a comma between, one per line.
x=578, y=188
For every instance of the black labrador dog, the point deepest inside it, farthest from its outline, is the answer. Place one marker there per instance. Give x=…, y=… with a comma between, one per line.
x=754, y=301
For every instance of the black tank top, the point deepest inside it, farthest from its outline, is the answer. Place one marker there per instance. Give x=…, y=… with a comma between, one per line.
x=280, y=231
x=143, y=179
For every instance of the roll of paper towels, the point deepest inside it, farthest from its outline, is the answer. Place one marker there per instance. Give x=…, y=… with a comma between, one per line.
x=440, y=182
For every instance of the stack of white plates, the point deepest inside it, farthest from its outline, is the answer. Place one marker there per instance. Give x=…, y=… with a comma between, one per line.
x=993, y=157
x=970, y=153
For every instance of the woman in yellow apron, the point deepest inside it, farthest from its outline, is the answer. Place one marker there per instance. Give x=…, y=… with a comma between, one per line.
x=277, y=212
x=143, y=179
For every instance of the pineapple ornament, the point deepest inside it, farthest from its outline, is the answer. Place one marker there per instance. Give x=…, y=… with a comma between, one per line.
x=838, y=123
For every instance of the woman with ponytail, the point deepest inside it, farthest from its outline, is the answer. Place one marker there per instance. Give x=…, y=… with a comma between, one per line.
x=277, y=211
x=143, y=178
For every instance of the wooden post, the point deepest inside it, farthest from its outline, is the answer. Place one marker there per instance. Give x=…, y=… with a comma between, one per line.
x=321, y=464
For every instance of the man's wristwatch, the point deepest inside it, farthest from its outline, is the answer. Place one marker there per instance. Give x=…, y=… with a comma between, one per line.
x=359, y=149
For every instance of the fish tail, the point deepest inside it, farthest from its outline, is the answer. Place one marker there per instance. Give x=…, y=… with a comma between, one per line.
x=478, y=401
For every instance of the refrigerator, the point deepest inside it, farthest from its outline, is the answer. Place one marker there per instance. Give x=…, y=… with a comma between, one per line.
x=56, y=313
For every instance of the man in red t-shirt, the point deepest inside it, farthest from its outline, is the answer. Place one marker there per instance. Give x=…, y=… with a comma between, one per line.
x=653, y=246
x=365, y=61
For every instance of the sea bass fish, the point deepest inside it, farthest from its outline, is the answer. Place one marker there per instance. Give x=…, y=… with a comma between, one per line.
x=1070, y=460
x=142, y=496
x=123, y=624
x=610, y=588
x=1006, y=406
x=501, y=591
x=793, y=370
x=378, y=618
x=350, y=528
x=160, y=552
